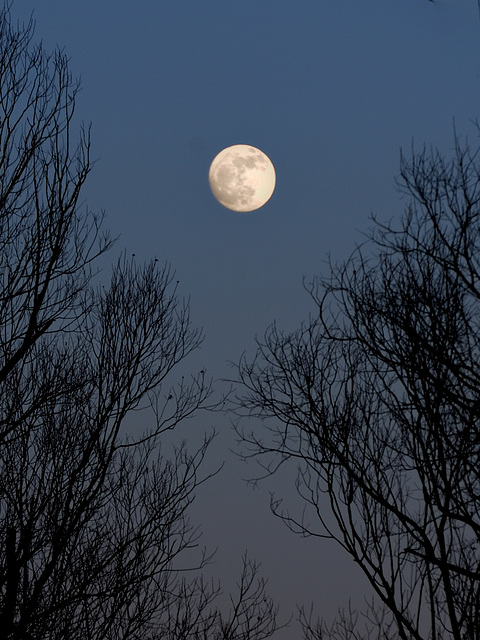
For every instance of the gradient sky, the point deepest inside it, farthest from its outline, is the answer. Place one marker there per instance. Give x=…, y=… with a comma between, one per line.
x=330, y=91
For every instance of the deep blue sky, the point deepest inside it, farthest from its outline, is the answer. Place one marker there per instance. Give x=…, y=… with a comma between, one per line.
x=330, y=91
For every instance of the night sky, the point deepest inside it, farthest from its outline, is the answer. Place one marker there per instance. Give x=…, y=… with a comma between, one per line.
x=330, y=91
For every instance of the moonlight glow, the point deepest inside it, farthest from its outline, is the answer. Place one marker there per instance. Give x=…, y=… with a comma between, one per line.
x=242, y=178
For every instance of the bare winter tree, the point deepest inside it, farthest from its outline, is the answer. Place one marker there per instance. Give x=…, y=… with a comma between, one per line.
x=94, y=523
x=377, y=398
x=46, y=244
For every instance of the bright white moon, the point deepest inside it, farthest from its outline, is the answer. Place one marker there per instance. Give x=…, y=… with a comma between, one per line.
x=242, y=178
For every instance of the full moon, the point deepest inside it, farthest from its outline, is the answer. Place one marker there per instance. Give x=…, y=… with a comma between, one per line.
x=242, y=178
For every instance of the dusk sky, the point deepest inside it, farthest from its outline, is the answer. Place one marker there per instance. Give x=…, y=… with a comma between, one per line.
x=330, y=91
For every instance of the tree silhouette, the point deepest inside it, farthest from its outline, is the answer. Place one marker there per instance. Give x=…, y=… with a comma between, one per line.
x=93, y=519
x=377, y=398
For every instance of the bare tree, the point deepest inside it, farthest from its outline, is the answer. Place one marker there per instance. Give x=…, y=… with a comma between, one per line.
x=251, y=614
x=46, y=244
x=377, y=398
x=349, y=624
x=95, y=538
x=93, y=521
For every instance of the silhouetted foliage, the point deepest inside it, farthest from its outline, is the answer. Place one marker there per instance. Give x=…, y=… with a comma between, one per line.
x=377, y=398
x=93, y=520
